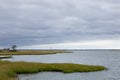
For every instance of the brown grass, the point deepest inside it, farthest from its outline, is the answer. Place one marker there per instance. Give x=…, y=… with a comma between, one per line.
x=33, y=52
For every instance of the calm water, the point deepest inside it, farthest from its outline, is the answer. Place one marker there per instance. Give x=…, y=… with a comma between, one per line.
x=110, y=59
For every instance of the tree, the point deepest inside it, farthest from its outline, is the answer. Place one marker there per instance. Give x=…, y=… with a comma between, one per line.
x=14, y=48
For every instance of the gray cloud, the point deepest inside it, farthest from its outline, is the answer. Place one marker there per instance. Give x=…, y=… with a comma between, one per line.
x=30, y=22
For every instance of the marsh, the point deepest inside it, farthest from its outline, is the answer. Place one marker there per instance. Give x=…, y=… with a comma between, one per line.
x=107, y=58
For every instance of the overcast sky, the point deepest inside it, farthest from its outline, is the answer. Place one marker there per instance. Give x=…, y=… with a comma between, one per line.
x=60, y=23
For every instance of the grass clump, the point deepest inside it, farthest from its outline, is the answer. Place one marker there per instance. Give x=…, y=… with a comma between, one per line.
x=9, y=70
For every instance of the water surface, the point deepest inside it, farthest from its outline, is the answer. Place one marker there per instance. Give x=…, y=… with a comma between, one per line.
x=108, y=58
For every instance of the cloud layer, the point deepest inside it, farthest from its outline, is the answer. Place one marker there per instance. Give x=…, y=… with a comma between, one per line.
x=33, y=22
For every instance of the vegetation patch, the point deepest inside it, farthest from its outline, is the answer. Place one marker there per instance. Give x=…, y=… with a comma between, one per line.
x=9, y=70
x=32, y=52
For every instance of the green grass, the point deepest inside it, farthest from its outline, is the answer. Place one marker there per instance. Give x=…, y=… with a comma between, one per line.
x=33, y=52
x=9, y=70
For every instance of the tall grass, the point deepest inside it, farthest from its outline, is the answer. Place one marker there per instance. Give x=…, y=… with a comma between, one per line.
x=9, y=70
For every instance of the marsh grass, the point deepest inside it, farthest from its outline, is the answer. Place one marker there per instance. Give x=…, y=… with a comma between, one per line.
x=33, y=52
x=9, y=70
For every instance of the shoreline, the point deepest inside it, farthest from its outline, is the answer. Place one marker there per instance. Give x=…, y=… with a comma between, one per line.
x=4, y=57
x=33, y=52
x=10, y=70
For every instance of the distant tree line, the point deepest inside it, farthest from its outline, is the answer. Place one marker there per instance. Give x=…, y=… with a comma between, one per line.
x=10, y=49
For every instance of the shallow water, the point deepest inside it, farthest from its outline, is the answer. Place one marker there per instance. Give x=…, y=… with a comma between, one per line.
x=108, y=58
